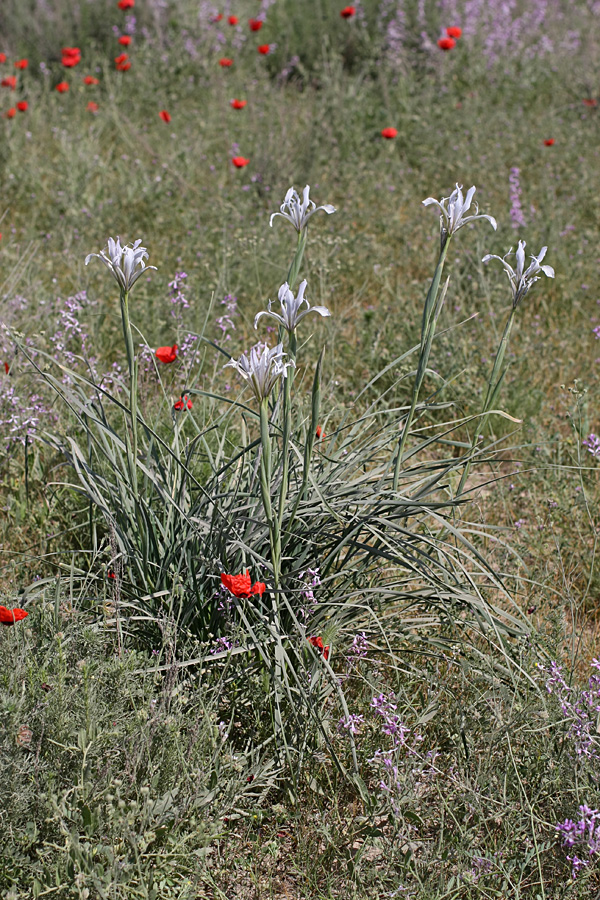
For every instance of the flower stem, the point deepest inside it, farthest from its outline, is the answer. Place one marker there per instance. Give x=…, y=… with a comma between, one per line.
x=265, y=490
x=431, y=312
x=297, y=260
x=133, y=375
x=494, y=383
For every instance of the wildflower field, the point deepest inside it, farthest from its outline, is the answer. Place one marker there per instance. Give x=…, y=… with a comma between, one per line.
x=300, y=427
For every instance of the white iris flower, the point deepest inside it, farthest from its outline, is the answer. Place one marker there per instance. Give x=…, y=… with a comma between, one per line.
x=122, y=262
x=453, y=215
x=297, y=211
x=521, y=279
x=290, y=308
x=262, y=369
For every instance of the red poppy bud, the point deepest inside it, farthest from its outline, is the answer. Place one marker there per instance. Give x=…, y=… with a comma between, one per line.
x=165, y=116
x=10, y=82
x=225, y=62
x=347, y=12
x=167, y=354
x=255, y=24
x=233, y=20
x=238, y=104
x=389, y=133
x=10, y=113
x=549, y=142
x=6, y=365
x=22, y=105
x=446, y=43
x=454, y=31
x=240, y=161
x=264, y=49
x=125, y=40
x=89, y=79
x=92, y=107
x=21, y=64
x=10, y=616
x=62, y=87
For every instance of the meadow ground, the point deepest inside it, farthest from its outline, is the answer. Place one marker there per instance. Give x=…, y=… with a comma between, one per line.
x=404, y=700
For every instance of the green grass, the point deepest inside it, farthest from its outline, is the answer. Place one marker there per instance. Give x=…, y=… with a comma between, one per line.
x=152, y=769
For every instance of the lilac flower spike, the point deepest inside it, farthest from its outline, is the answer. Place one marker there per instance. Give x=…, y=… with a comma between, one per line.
x=290, y=308
x=262, y=369
x=453, y=215
x=297, y=211
x=522, y=279
x=122, y=262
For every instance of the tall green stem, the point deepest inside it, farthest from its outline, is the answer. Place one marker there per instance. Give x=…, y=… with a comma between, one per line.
x=132, y=365
x=287, y=427
x=494, y=382
x=265, y=490
x=297, y=260
x=431, y=312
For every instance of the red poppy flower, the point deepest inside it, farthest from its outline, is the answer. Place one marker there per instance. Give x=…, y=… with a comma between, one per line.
x=240, y=161
x=217, y=18
x=225, y=63
x=255, y=24
x=549, y=142
x=389, y=133
x=21, y=64
x=125, y=40
x=89, y=79
x=319, y=433
x=71, y=56
x=10, y=616
x=183, y=402
x=122, y=63
x=10, y=82
x=110, y=574
x=165, y=116
x=167, y=354
x=233, y=20
x=2, y=57
x=10, y=113
x=264, y=49
x=62, y=87
x=238, y=104
x=126, y=4
x=347, y=12
x=317, y=642
x=446, y=43
x=454, y=31
x=92, y=107
x=241, y=585
x=590, y=101
x=22, y=105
